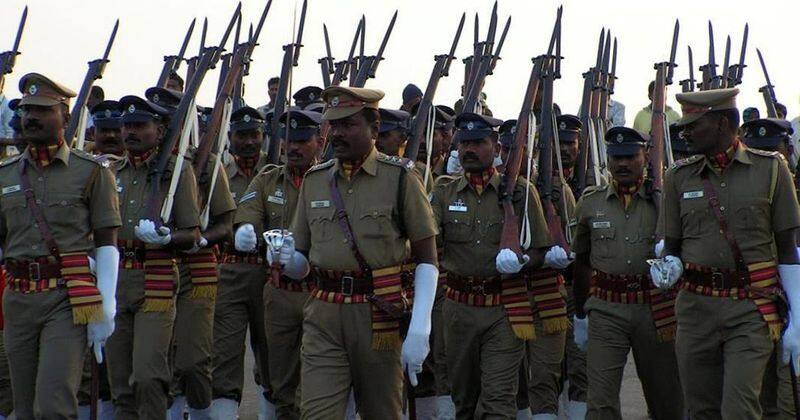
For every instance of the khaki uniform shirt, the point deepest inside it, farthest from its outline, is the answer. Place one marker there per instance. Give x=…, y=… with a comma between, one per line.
x=756, y=195
x=618, y=240
x=270, y=200
x=386, y=205
x=75, y=194
x=134, y=188
x=564, y=202
x=237, y=180
x=221, y=199
x=471, y=224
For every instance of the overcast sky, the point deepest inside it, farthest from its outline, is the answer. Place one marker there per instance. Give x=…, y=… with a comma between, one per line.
x=61, y=36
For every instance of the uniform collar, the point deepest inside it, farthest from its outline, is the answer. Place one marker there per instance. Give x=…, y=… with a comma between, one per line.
x=369, y=166
x=494, y=181
x=612, y=192
x=740, y=154
x=61, y=154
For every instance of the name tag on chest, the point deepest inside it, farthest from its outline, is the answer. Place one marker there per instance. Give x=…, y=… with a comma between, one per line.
x=276, y=200
x=692, y=194
x=458, y=207
x=601, y=225
x=11, y=189
x=320, y=204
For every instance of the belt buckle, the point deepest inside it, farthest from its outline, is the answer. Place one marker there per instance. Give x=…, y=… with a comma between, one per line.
x=347, y=285
x=633, y=286
x=478, y=288
x=34, y=267
x=717, y=280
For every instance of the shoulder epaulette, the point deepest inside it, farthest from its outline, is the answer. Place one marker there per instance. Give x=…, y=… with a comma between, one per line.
x=593, y=189
x=765, y=153
x=322, y=165
x=396, y=161
x=268, y=167
x=10, y=160
x=687, y=161
x=444, y=179
x=87, y=156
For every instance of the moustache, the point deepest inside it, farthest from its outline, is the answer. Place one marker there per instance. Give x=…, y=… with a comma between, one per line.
x=131, y=138
x=470, y=156
x=32, y=125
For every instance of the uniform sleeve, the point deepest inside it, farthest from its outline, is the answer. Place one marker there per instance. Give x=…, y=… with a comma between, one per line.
x=642, y=121
x=785, y=210
x=417, y=214
x=185, y=212
x=299, y=226
x=541, y=233
x=581, y=235
x=221, y=198
x=669, y=221
x=103, y=200
x=251, y=205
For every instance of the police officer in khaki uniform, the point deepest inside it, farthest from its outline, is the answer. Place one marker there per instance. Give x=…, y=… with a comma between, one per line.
x=774, y=135
x=56, y=205
x=269, y=203
x=486, y=319
x=394, y=131
x=351, y=326
x=139, y=370
x=730, y=218
x=614, y=237
x=242, y=277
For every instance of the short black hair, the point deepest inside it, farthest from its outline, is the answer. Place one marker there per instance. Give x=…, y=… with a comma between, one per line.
x=97, y=92
x=176, y=77
x=273, y=81
x=780, y=108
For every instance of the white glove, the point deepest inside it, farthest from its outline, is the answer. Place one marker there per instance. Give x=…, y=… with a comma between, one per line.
x=790, y=280
x=293, y=264
x=580, y=332
x=556, y=257
x=146, y=232
x=417, y=345
x=202, y=243
x=507, y=262
x=659, y=248
x=107, y=270
x=245, y=239
x=453, y=164
x=665, y=272
x=498, y=161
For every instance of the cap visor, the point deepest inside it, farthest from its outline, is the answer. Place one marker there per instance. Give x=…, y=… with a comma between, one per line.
x=473, y=134
x=38, y=100
x=623, y=149
x=108, y=123
x=241, y=126
x=301, y=134
x=339, y=113
x=136, y=118
x=758, y=142
x=688, y=119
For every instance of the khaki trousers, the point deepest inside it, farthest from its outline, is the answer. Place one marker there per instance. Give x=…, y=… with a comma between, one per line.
x=6, y=396
x=336, y=354
x=192, y=344
x=432, y=381
x=284, y=328
x=483, y=361
x=723, y=347
x=776, y=393
x=137, y=353
x=544, y=357
x=239, y=306
x=614, y=330
x=45, y=354
x=85, y=390
x=574, y=358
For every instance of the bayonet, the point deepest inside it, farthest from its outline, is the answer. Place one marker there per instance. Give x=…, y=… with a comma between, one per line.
x=299, y=42
x=612, y=77
x=9, y=58
x=379, y=57
x=672, y=53
x=203, y=36
x=451, y=54
x=237, y=32
x=173, y=62
x=496, y=55
x=726, y=62
x=362, y=46
x=185, y=44
x=740, y=68
x=712, y=65
x=557, y=73
x=351, y=65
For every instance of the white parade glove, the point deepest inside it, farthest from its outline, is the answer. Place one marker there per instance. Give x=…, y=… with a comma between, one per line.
x=202, y=243
x=497, y=161
x=659, y=248
x=665, y=272
x=790, y=280
x=293, y=264
x=245, y=239
x=556, y=257
x=92, y=266
x=580, y=331
x=507, y=262
x=417, y=345
x=146, y=232
x=453, y=164
x=107, y=271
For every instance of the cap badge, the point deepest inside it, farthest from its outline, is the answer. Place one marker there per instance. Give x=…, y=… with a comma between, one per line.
x=246, y=118
x=470, y=125
x=620, y=138
x=762, y=131
x=204, y=118
x=131, y=109
x=33, y=89
x=514, y=129
x=108, y=113
x=335, y=101
x=562, y=126
x=312, y=96
x=293, y=123
x=156, y=98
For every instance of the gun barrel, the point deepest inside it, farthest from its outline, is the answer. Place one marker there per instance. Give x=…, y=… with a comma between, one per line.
x=20, y=29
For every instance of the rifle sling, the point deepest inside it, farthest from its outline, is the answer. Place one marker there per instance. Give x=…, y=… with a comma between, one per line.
x=41, y=222
x=713, y=202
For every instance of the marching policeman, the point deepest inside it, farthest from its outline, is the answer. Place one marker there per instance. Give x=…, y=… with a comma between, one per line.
x=394, y=132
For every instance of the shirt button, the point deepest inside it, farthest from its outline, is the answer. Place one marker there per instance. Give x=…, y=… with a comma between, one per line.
x=722, y=208
x=130, y=221
x=34, y=247
x=40, y=179
x=38, y=201
x=626, y=238
x=344, y=241
x=478, y=222
x=133, y=201
x=350, y=191
x=723, y=185
x=627, y=216
x=63, y=202
x=478, y=242
x=629, y=262
x=479, y=201
x=135, y=182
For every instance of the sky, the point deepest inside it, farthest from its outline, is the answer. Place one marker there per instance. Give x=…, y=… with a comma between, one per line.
x=61, y=36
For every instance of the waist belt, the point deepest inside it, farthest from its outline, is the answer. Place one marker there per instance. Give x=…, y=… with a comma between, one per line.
x=474, y=284
x=716, y=279
x=35, y=270
x=286, y=283
x=622, y=283
x=348, y=283
x=236, y=257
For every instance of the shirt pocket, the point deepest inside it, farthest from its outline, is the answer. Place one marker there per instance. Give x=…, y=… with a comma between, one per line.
x=603, y=242
x=66, y=211
x=376, y=223
x=322, y=224
x=457, y=228
x=494, y=228
x=15, y=209
x=695, y=215
x=752, y=216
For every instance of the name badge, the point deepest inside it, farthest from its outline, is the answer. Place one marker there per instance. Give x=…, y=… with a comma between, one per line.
x=321, y=204
x=233, y=195
x=458, y=206
x=119, y=186
x=11, y=189
x=692, y=194
x=276, y=200
x=601, y=225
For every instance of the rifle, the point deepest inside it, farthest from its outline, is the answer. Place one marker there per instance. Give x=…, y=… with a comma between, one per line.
x=326, y=62
x=226, y=58
x=602, y=111
x=726, y=63
x=768, y=90
x=588, y=166
x=687, y=85
x=96, y=68
x=290, y=52
x=185, y=110
x=740, y=67
x=659, y=132
x=369, y=65
x=713, y=79
x=484, y=60
x=477, y=46
x=440, y=69
x=173, y=62
x=596, y=126
x=9, y=58
x=511, y=227
x=191, y=64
